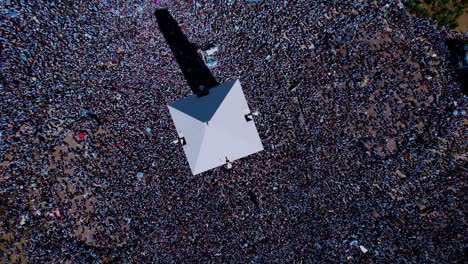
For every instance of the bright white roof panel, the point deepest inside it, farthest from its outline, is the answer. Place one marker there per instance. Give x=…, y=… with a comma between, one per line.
x=214, y=127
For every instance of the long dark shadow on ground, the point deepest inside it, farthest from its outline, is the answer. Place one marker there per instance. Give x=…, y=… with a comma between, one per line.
x=194, y=69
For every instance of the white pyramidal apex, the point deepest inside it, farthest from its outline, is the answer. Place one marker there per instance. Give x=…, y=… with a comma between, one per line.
x=217, y=128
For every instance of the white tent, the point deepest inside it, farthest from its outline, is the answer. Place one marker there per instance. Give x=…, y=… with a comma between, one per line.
x=216, y=128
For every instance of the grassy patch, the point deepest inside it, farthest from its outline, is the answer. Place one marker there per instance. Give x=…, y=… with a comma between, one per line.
x=445, y=12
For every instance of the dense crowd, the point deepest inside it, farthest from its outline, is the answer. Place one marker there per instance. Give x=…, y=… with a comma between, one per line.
x=370, y=170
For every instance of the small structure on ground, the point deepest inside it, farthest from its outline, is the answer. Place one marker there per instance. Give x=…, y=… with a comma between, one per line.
x=215, y=127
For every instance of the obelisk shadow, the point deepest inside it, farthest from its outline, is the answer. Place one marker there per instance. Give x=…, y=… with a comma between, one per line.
x=195, y=71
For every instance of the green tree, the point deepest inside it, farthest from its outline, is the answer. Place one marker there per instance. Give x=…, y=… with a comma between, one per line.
x=445, y=12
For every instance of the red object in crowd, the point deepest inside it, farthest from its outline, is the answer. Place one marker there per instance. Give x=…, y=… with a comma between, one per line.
x=81, y=135
x=57, y=213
